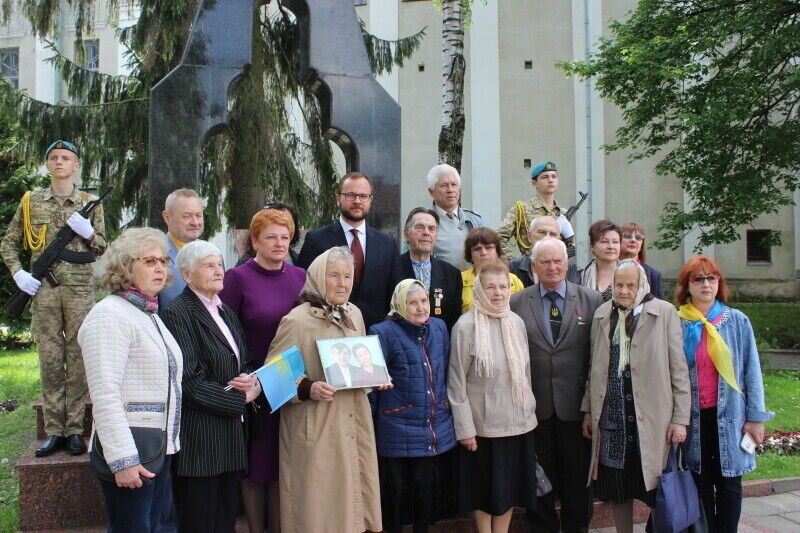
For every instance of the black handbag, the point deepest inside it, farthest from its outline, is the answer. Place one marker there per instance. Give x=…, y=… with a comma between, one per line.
x=151, y=443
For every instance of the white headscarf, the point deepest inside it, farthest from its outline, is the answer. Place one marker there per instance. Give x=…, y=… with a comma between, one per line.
x=620, y=332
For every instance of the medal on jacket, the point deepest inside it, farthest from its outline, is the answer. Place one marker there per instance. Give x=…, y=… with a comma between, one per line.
x=437, y=301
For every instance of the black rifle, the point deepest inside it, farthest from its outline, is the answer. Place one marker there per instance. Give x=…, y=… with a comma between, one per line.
x=571, y=213
x=42, y=267
x=574, y=209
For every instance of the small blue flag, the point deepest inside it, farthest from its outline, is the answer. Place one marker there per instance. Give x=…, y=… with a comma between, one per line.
x=278, y=377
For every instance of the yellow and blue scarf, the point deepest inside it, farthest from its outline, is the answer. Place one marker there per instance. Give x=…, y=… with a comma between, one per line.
x=717, y=347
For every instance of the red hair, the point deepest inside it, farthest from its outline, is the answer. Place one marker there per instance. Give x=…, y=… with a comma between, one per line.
x=265, y=217
x=694, y=266
x=633, y=227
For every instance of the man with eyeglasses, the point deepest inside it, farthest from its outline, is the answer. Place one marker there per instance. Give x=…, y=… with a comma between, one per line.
x=376, y=256
x=183, y=215
x=540, y=227
x=455, y=222
x=57, y=312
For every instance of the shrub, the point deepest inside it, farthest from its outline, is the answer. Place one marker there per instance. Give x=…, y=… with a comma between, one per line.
x=774, y=324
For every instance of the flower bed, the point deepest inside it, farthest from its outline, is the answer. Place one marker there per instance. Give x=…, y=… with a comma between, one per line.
x=781, y=443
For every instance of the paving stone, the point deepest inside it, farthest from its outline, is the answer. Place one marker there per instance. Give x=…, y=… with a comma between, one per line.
x=776, y=523
x=794, y=517
x=760, y=507
x=787, y=501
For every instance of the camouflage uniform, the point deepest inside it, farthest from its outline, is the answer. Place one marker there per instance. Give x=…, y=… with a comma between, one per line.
x=507, y=230
x=57, y=312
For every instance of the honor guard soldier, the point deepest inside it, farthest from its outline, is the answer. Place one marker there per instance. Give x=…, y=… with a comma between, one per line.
x=544, y=178
x=58, y=311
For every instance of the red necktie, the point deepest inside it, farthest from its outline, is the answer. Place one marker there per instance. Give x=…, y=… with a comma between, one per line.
x=358, y=257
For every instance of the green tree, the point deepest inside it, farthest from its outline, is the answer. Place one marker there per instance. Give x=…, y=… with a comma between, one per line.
x=15, y=179
x=257, y=157
x=711, y=87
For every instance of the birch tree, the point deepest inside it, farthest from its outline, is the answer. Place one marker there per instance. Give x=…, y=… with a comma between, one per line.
x=451, y=135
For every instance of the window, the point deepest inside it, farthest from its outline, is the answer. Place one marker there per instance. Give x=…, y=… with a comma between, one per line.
x=758, y=247
x=91, y=50
x=9, y=66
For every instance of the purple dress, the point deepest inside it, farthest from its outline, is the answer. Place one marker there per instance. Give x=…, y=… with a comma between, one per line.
x=261, y=298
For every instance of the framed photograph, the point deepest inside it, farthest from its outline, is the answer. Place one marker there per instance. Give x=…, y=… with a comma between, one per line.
x=353, y=362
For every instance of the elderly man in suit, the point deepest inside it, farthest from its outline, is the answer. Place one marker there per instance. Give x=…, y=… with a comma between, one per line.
x=376, y=256
x=558, y=316
x=522, y=267
x=442, y=279
x=183, y=215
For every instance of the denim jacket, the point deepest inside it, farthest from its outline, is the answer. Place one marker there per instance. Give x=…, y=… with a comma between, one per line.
x=733, y=409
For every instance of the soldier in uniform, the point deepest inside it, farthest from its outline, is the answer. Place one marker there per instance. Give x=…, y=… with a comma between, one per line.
x=544, y=178
x=57, y=312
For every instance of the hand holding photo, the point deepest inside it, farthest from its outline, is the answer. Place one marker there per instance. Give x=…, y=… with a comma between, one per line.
x=353, y=362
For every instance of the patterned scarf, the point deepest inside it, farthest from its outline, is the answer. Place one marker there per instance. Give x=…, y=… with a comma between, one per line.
x=717, y=347
x=516, y=356
x=144, y=303
x=312, y=293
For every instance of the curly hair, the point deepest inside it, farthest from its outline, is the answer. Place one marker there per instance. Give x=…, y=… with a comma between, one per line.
x=123, y=252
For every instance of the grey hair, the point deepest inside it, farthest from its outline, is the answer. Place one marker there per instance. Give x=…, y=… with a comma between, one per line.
x=438, y=170
x=124, y=250
x=535, y=222
x=169, y=203
x=193, y=252
x=538, y=246
x=341, y=252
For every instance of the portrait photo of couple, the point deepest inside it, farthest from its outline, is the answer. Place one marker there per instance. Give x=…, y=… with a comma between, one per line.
x=353, y=362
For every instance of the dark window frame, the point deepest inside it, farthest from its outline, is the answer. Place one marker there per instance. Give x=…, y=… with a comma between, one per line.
x=756, y=251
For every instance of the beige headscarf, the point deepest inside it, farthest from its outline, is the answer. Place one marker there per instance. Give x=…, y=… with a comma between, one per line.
x=621, y=333
x=516, y=355
x=399, y=296
x=314, y=291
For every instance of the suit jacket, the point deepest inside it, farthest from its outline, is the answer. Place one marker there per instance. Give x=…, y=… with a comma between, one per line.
x=213, y=436
x=381, y=267
x=445, y=277
x=168, y=294
x=654, y=279
x=337, y=378
x=559, y=370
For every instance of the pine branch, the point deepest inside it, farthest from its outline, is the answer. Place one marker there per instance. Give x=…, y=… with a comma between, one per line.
x=384, y=54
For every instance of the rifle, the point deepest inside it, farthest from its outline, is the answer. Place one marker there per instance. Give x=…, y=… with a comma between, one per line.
x=574, y=209
x=42, y=267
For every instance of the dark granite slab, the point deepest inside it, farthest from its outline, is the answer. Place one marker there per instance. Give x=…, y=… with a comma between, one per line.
x=58, y=492
x=41, y=435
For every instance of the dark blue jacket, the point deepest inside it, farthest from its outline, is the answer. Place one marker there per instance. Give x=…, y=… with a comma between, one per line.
x=413, y=419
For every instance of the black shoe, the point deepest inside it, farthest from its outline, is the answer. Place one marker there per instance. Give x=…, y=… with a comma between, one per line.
x=75, y=445
x=50, y=445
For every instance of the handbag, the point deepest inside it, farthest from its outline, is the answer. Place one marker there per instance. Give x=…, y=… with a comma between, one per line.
x=677, y=502
x=543, y=485
x=151, y=443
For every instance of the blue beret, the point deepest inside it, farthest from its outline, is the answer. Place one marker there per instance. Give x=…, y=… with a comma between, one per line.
x=542, y=167
x=62, y=145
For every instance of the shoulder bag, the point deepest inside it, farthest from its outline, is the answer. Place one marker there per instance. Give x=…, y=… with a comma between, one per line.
x=677, y=502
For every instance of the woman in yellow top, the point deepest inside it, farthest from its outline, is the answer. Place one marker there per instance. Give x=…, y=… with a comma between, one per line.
x=482, y=245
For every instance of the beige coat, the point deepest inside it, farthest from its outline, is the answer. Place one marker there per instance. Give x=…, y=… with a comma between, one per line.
x=328, y=461
x=484, y=406
x=660, y=380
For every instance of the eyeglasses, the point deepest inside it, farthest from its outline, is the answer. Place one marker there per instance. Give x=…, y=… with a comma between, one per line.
x=151, y=261
x=637, y=236
x=352, y=196
x=698, y=280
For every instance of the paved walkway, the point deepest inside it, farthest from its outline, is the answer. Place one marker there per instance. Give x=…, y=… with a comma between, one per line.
x=776, y=513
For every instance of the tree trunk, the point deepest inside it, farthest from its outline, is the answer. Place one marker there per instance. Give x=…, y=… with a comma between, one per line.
x=451, y=136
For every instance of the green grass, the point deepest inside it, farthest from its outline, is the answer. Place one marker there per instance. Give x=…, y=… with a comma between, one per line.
x=19, y=380
x=782, y=391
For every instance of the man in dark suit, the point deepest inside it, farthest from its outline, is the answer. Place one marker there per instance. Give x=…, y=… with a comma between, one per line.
x=442, y=279
x=558, y=316
x=341, y=374
x=541, y=227
x=377, y=258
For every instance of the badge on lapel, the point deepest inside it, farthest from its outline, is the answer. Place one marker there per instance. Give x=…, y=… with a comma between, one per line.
x=438, y=295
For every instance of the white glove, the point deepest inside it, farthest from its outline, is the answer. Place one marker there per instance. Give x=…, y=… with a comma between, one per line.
x=26, y=282
x=80, y=225
x=566, y=226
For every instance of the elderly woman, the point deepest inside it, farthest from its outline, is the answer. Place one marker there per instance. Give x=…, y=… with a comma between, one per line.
x=637, y=399
x=215, y=421
x=481, y=246
x=604, y=240
x=413, y=424
x=489, y=387
x=724, y=369
x=632, y=246
x=133, y=368
x=261, y=292
x=328, y=468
